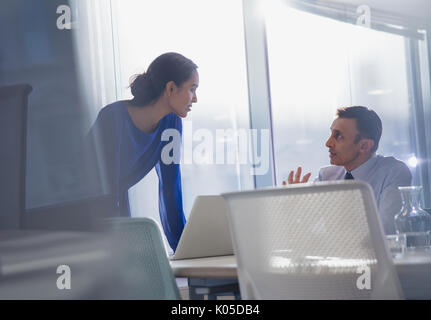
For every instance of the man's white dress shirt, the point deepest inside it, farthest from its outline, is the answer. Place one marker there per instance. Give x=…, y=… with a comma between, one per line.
x=385, y=175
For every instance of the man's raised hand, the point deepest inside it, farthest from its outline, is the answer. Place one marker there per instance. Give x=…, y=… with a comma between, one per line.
x=297, y=178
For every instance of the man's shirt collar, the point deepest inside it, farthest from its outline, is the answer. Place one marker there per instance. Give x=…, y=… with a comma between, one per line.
x=363, y=171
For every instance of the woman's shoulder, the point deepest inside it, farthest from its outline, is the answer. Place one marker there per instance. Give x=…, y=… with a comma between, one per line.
x=111, y=112
x=113, y=107
x=173, y=121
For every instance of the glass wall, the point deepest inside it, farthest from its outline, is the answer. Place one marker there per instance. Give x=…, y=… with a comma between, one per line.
x=145, y=29
x=316, y=65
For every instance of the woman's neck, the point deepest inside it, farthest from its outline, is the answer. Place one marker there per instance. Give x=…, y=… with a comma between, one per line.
x=146, y=118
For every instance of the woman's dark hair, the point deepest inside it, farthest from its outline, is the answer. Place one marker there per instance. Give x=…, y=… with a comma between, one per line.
x=368, y=123
x=148, y=86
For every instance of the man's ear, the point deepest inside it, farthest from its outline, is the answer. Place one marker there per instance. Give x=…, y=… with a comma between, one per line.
x=170, y=87
x=366, y=145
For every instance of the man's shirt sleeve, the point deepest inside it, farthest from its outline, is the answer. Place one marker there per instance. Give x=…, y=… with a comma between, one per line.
x=390, y=198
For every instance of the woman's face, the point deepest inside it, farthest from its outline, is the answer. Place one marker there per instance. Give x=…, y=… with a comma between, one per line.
x=181, y=98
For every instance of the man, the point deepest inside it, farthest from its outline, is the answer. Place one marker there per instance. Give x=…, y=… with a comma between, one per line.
x=355, y=136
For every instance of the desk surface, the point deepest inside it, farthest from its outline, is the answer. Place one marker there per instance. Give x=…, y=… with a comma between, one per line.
x=414, y=271
x=210, y=267
x=225, y=266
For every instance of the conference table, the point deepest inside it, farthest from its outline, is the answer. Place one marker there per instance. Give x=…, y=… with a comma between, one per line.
x=215, y=274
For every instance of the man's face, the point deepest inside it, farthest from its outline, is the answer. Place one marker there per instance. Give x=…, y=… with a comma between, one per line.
x=344, y=148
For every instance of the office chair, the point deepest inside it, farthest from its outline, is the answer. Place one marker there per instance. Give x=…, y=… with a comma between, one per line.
x=79, y=215
x=48, y=265
x=13, y=134
x=311, y=241
x=145, y=273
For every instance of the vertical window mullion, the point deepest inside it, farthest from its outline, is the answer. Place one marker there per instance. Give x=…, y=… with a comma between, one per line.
x=418, y=117
x=258, y=85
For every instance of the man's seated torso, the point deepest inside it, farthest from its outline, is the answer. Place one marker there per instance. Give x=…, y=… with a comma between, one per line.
x=385, y=175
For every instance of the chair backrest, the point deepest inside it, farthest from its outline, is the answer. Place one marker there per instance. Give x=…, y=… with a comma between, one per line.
x=311, y=241
x=13, y=134
x=36, y=264
x=79, y=215
x=146, y=272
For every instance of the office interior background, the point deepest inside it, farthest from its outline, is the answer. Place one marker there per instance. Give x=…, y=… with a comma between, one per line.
x=285, y=66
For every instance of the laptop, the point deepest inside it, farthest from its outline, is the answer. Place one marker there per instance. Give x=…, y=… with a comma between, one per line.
x=206, y=233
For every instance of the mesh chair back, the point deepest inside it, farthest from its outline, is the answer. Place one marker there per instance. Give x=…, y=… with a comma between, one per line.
x=146, y=272
x=314, y=241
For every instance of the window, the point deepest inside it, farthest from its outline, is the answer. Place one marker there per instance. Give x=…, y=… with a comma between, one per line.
x=211, y=34
x=318, y=64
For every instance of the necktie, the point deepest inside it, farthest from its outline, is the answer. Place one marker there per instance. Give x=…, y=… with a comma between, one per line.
x=348, y=176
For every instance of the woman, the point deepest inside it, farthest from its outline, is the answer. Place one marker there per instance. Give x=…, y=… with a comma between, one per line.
x=130, y=133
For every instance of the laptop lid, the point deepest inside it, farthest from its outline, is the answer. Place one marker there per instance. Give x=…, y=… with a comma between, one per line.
x=206, y=233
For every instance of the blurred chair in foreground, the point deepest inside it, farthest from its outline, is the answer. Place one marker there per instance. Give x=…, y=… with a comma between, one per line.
x=79, y=215
x=145, y=272
x=314, y=241
x=13, y=137
x=52, y=265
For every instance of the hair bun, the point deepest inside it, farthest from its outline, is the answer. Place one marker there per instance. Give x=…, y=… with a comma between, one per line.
x=140, y=86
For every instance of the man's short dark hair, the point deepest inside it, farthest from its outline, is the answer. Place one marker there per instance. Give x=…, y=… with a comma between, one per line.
x=368, y=123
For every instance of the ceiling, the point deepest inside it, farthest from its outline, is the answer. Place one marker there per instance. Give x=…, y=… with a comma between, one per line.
x=420, y=9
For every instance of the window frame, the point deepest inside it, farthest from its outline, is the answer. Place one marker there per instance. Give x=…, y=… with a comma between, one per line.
x=418, y=68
